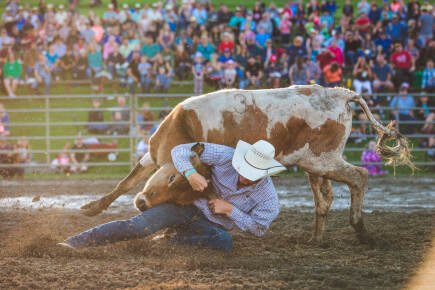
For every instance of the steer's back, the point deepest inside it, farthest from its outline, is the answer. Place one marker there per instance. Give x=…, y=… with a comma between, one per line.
x=298, y=120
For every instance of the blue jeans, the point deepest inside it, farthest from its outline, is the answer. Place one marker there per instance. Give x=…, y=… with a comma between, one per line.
x=192, y=228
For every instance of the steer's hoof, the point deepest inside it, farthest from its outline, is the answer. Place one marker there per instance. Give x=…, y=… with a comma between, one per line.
x=92, y=208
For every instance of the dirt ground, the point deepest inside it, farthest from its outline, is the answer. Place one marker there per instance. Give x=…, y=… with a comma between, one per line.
x=283, y=258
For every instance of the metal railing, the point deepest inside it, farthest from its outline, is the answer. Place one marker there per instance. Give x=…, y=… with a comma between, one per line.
x=132, y=137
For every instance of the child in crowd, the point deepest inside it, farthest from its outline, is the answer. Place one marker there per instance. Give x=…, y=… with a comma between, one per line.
x=144, y=68
x=370, y=156
x=22, y=149
x=230, y=74
x=198, y=68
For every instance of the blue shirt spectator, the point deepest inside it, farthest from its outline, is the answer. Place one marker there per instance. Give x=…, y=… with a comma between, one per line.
x=403, y=104
x=396, y=30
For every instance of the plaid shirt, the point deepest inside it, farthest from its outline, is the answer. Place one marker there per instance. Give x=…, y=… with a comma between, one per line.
x=254, y=207
x=428, y=79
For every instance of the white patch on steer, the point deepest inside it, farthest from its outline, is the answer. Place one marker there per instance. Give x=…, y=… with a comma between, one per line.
x=279, y=105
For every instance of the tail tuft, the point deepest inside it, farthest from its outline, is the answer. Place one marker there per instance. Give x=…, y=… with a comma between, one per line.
x=397, y=155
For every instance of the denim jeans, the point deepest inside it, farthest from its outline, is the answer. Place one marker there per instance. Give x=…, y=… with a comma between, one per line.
x=192, y=228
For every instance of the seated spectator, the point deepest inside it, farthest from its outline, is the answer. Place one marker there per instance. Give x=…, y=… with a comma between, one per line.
x=214, y=71
x=353, y=43
x=226, y=56
x=370, y=156
x=205, y=47
x=385, y=42
x=337, y=52
x=29, y=59
x=253, y=73
x=182, y=62
x=314, y=71
x=6, y=157
x=163, y=72
x=142, y=147
x=230, y=74
x=226, y=43
x=80, y=70
x=426, y=23
x=66, y=64
x=114, y=61
x=273, y=72
x=402, y=109
x=43, y=71
x=198, y=71
x=22, y=156
x=12, y=71
x=120, y=115
x=396, y=29
x=382, y=75
x=96, y=116
x=252, y=47
x=4, y=122
x=267, y=52
x=261, y=38
x=133, y=72
x=79, y=159
x=95, y=62
x=362, y=23
x=362, y=74
x=166, y=37
x=401, y=61
x=145, y=115
x=145, y=70
x=332, y=75
x=284, y=28
x=299, y=73
x=374, y=106
x=296, y=49
x=426, y=114
x=428, y=80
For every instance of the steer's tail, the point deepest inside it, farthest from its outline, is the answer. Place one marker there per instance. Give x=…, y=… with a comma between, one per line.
x=400, y=154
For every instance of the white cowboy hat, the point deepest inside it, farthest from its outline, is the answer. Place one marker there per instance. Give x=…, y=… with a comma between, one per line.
x=256, y=161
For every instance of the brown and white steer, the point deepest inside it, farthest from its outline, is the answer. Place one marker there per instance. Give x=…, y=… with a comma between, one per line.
x=308, y=125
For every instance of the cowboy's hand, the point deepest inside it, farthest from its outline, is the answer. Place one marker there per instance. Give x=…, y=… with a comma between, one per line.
x=220, y=206
x=197, y=181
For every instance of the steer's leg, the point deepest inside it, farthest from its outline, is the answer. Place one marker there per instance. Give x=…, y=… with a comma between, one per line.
x=356, y=179
x=137, y=175
x=323, y=196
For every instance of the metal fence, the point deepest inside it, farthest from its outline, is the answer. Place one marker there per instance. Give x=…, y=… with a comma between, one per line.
x=132, y=137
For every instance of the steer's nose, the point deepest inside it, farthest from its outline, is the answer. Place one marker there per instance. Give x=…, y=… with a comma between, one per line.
x=140, y=202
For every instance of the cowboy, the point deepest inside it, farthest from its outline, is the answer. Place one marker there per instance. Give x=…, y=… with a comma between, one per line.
x=240, y=178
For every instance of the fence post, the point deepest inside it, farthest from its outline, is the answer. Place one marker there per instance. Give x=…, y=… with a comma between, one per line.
x=47, y=129
x=132, y=129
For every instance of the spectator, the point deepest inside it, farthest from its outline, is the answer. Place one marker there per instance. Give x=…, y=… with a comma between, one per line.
x=166, y=37
x=79, y=158
x=226, y=43
x=384, y=41
x=296, y=49
x=142, y=147
x=12, y=71
x=205, y=47
x=299, y=73
x=80, y=70
x=133, y=72
x=363, y=23
x=425, y=23
x=314, y=71
x=145, y=119
x=426, y=114
x=353, y=44
x=120, y=116
x=396, y=29
x=332, y=75
x=66, y=64
x=402, y=109
x=267, y=52
x=261, y=38
x=428, y=80
x=145, y=70
x=370, y=156
x=6, y=158
x=284, y=28
x=182, y=62
x=96, y=116
x=163, y=72
x=114, y=61
x=253, y=72
x=273, y=72
x=4, y=122
x=95, y=62
x=401, y=60
x=214, y=71
x=362, y=74
x=382, y=75
x=337, y=53
x=43, y=71
x=230, y=74
x=22, y=156
x=198, y=70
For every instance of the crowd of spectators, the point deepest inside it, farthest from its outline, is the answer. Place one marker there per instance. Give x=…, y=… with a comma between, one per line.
x=366, y=46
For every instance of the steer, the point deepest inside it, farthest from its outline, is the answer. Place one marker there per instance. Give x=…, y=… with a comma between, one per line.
x=308, y=124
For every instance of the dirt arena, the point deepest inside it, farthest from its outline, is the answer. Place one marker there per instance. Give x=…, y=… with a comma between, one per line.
x=29, y=257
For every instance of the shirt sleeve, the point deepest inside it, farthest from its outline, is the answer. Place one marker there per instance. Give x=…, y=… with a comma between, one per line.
x=258, y=220
x=214, y=154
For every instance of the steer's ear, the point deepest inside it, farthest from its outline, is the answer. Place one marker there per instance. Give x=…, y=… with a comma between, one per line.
x=198, y=148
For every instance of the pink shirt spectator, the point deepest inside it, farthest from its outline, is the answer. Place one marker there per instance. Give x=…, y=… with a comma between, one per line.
x=338, y=54
x=284, y=25
x=99, y=32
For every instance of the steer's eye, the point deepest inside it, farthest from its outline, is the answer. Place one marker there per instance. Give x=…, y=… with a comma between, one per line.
x=171, y=178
